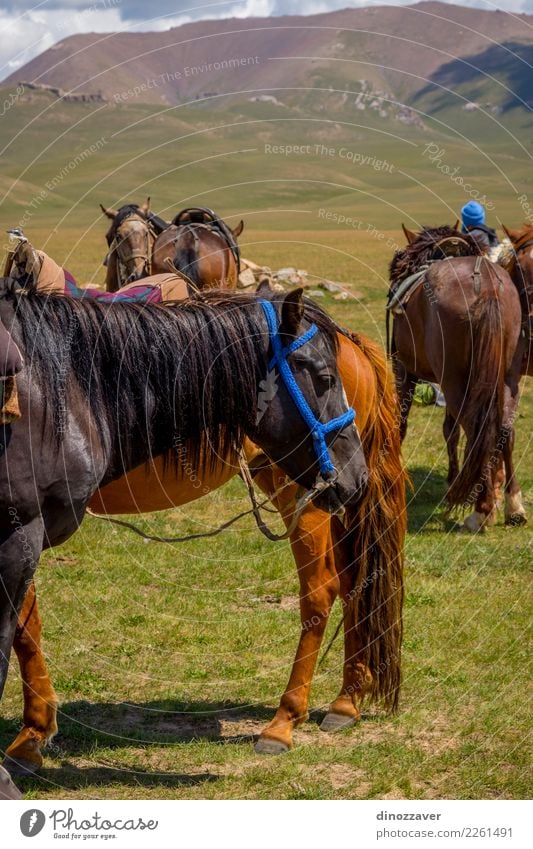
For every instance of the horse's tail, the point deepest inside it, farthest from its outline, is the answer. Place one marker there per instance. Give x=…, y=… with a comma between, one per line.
x=376, y=539
x=186, y=259
x=482, y=411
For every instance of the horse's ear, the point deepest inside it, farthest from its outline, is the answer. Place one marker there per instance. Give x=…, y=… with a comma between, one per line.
x=145, y=207
x=264, y=287
x=410, y=235
x=457, y=224
x=238, y=229
x=514, y=235
x=292, y=312
x=109, y=212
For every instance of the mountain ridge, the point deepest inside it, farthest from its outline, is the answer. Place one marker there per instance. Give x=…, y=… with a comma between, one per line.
x=430, y=56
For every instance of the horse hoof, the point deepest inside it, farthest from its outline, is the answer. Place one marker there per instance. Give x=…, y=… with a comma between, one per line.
x=19, y=768
x=475, y=523
x=268, y=746
x=336, y=722
x=516, y=520
x=8, y=790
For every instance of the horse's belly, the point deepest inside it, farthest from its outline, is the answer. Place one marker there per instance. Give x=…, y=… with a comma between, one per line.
x=155, y=486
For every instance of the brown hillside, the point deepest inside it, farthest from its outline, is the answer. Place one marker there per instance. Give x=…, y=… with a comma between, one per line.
x=395, y=49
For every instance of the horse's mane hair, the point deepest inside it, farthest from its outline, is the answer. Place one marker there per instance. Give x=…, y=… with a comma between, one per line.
x=508, y=259
x=409, y=259
x=124, y=211
x=152, y=375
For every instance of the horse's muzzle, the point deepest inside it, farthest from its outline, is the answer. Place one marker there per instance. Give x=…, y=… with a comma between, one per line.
x=336, y=497
x=135, y=275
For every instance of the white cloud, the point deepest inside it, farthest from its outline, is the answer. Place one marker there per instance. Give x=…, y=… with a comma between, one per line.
x=24, y=36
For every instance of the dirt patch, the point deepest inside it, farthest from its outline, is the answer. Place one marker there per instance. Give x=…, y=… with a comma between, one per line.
x=284, y=602
x=342, y=776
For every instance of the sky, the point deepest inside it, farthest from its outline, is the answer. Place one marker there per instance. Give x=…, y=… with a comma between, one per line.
x=27, y=27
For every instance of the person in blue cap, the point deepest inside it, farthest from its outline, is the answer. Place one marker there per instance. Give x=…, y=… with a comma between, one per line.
x=473, y=218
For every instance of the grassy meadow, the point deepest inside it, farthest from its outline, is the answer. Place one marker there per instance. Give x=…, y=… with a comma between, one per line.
x=169, y=660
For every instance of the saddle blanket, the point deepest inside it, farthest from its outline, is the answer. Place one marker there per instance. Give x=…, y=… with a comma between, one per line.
x=150, y=290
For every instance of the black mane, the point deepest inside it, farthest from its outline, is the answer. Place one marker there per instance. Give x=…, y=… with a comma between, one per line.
x=422, y=250
x=152, y=375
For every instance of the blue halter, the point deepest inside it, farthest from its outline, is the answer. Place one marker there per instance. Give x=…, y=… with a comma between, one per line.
x=318, y=430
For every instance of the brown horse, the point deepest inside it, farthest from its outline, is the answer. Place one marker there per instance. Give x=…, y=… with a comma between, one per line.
x=458, y=325
x=200, y=246
x=130, y=241
x=519, y=264
x=364, y=566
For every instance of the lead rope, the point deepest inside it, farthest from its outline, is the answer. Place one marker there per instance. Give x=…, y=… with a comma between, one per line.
x=255, y=511
x=301, y=504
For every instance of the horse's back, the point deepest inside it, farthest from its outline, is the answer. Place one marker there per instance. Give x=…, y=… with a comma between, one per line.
x=434, y=332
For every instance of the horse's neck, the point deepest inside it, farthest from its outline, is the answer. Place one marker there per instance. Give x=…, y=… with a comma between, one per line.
x=112, y=283
x=523, y=285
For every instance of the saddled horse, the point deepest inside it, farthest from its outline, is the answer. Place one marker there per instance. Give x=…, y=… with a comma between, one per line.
x=519, y=263
x=130, y=241
x=199, y=245
x=456, y=322
x=361, y=559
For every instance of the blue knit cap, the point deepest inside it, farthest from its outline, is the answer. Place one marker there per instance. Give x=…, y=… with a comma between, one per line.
x=472, y=213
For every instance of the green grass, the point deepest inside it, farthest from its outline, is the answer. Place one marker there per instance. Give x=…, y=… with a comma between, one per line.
x=167, y=660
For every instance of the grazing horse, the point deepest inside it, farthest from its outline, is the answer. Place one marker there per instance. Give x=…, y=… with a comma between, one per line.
x=200, y=246
x=130, y=242
x=359, y=560
x=456, y=322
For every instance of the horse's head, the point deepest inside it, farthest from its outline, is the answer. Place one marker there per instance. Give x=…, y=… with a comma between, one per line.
x=130, y=240
x=304, y=422
x=522, y=255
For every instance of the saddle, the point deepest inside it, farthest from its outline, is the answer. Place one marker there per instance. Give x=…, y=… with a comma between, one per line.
x=399, y=295
x=449, y=247
x=205, y=217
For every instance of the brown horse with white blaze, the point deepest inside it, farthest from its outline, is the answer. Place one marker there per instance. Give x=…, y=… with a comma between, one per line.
x=362, y=565
x=459, y=326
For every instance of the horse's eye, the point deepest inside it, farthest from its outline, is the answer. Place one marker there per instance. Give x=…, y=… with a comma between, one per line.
x=327, y=380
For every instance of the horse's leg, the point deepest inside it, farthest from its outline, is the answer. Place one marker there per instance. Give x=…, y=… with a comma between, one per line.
x=405, y=387
x=489, y=487
x=20, y=549
x=311, y=546
x=450, y=429
x=40, y=701
x=515, y=513
x=345, y=710
x=318, y=589
x=499, y=485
